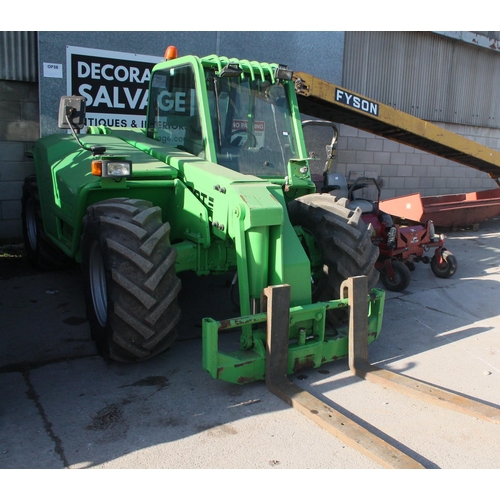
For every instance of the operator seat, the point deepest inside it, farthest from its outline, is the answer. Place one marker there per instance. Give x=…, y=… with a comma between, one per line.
x=336, y=185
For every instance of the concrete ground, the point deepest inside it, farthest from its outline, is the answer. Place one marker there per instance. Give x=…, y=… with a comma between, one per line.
x=63, y=407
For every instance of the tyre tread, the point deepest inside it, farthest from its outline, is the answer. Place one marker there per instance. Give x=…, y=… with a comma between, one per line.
x=343, y=237
x=143, y=287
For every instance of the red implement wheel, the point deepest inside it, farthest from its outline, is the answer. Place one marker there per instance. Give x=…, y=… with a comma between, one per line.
x=400, y=279
x=444, y=267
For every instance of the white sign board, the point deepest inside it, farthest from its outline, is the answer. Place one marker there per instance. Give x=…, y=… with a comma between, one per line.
x=114, y=84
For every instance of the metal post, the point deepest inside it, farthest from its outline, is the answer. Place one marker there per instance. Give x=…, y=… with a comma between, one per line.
x=356, y=291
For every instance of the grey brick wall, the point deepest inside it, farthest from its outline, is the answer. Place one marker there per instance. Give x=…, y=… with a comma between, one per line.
x=19, y=129
x=404, y=170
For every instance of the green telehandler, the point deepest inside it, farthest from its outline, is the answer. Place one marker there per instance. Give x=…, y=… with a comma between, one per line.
x=217, y=182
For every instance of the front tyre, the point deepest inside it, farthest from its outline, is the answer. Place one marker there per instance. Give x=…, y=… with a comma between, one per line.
x=400, y=279
x=447, y=267
x=337, y=241
x=129, y=276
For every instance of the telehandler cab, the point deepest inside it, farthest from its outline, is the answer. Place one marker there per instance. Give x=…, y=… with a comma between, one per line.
x=217, y=182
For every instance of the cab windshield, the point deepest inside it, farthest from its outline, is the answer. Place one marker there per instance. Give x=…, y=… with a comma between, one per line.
x=250, y=120
x=251, y=124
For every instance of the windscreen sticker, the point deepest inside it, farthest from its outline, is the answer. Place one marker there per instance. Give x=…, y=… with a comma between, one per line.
x=258, y=131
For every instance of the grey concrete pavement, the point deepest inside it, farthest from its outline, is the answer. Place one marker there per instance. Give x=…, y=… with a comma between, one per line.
x=61, y=406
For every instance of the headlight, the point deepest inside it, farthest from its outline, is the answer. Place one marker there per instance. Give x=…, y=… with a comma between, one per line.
x=116, y=169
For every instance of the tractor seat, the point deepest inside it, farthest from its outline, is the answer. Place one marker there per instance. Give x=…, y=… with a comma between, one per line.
x=367, y=207
x=336, y=185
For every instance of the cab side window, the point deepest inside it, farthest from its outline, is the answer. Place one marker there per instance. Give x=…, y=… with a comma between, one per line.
x=173, y=115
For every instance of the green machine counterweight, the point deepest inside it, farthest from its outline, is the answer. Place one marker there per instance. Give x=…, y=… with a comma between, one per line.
x=218, y=181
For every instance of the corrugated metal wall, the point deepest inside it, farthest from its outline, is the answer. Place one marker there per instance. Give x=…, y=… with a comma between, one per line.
x=19, y=56
x=427, y=75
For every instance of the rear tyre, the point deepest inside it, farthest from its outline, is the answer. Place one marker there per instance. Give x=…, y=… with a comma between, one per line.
x=401, y=279
x=342, y=239
x=448, y=266
x=131, y=288
x=41, y=252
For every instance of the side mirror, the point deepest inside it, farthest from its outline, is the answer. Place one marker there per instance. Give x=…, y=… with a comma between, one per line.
x=72, y=116
x=72, y=112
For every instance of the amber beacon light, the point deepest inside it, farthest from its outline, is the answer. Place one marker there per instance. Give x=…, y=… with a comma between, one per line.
x=171, y=53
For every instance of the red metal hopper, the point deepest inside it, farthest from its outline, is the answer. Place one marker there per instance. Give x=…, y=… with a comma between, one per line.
x=451, y=210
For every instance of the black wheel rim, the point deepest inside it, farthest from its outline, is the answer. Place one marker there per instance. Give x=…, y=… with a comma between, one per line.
x=97, y=277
